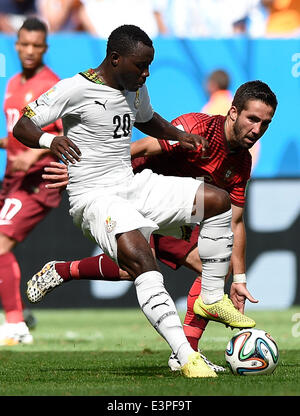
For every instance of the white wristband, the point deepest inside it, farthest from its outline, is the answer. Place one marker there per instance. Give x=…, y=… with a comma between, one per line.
x=239, y=278
x=45, y=140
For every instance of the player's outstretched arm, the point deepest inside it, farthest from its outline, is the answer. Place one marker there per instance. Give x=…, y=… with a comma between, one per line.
x=163, y=130
x=148, y=146
x=30, y=134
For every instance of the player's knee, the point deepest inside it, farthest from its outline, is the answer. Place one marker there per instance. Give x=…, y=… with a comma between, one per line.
x=192, y=261
x=216, y=201
x=135, y=255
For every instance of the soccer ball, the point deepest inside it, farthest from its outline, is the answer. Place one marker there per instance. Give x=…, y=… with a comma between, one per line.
x=252, y=352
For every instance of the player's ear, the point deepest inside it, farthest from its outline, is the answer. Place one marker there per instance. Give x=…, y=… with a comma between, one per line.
x=233, y=113
x=115, y=58
x=17, y=45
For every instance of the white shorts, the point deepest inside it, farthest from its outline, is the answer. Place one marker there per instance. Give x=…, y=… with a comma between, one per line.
x=147, y=202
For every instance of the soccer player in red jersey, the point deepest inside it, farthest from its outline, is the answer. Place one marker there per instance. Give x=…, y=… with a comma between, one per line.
x=24, y=199
x=226, y=164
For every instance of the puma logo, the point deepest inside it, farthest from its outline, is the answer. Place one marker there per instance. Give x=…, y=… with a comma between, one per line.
x=160, y=304
x=103, y=104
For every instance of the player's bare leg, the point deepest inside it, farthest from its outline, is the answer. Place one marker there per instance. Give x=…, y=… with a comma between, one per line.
x=14, y=330
x=135, y=256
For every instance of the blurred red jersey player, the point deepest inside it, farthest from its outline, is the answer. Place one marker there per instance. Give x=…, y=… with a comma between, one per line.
x=24, y=199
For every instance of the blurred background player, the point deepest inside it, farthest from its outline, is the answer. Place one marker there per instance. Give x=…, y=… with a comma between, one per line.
x=220, y=97
x=219, y=102
x=24, y=200
x=283, y=18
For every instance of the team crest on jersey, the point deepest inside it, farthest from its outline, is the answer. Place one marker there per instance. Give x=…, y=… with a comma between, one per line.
x=28, y=111
x=110, y=224
x=228, y=174
x=137, y=99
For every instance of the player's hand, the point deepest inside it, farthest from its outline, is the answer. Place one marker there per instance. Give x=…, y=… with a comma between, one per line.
x=193, y=141
x=238, y=295
x=65, y=149
x=57, y=174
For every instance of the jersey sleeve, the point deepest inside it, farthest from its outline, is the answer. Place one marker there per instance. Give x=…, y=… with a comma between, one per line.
x=54, y=128
x=54, y=104
x=183, y=123
x=238, y=195
x=238, y=192
x=145, y=110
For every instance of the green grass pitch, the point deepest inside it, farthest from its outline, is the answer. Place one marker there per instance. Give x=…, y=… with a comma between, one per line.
x=117, y=353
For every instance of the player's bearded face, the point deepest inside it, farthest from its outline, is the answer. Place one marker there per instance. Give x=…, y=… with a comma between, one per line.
x=251, y=123
x=134, y=68
x=31, y=46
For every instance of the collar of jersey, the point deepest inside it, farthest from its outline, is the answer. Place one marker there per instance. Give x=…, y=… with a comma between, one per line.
x=92, y=76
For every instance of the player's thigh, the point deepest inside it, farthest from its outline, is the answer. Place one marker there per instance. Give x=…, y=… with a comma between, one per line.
x=215, y=200
x=19, y=214
x=105, y=218
x=166, y=200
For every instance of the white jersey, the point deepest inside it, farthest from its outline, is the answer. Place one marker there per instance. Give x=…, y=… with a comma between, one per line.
x=99, y=120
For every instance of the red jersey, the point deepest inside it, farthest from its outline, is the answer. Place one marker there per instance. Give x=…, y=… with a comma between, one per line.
x=18, y=95
x=220, y=166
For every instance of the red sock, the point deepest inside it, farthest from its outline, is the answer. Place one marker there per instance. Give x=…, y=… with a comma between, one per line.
x=91, y=268
x=10, y=277
x=193, y=326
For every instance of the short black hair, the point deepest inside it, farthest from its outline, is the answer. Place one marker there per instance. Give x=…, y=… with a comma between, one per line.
x=125, y=38
x=34, y=24
x=254, y=90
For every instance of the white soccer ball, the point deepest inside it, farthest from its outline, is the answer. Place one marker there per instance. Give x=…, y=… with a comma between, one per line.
x=252, y=352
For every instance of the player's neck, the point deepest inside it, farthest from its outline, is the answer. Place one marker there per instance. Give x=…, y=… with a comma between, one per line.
x=30, y=73
x=106, y=76
x=100, y=75
x=230, y=135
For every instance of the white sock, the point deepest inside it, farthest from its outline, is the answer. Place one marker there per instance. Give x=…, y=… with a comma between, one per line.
x=215, y=247
x=160, y=310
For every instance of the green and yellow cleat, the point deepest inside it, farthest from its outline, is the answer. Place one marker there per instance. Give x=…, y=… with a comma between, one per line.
x=224, y=312
x=197, y=368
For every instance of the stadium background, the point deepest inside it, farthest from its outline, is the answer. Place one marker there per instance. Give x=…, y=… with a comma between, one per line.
x=176, y=86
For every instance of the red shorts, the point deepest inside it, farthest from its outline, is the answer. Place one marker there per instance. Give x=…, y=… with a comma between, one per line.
x=24, y=202
x=172, y=251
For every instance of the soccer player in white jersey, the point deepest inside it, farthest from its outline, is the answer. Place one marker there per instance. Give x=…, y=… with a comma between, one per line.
x=120, y=210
